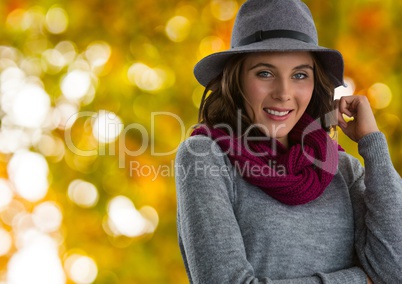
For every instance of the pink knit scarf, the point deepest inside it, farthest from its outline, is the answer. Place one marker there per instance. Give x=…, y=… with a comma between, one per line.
x=292, y=176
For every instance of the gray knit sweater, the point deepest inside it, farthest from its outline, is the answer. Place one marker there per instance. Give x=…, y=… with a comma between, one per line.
x=232, y=232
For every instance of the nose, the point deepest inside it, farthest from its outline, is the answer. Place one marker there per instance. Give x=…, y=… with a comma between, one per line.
x=282, y=90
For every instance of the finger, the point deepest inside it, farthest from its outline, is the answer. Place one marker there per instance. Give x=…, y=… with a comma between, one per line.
x=345, y=104
x=341, y=120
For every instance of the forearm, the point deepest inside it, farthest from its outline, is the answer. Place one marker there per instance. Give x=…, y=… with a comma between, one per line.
x=224, y=262
x=379, y=214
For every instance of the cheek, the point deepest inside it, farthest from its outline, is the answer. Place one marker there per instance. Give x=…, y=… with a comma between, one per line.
x=252, y=98
x=305, y=96
x=254, y=93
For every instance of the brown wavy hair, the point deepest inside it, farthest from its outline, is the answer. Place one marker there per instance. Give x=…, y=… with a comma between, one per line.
x=223, y=101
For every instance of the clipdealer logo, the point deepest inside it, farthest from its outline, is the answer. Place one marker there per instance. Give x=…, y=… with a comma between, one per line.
x=119, y=131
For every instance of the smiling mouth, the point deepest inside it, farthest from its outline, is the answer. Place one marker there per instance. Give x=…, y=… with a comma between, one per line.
x=276, y=113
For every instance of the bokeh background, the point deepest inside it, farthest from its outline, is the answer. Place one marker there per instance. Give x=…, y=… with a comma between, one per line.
x=95, y=97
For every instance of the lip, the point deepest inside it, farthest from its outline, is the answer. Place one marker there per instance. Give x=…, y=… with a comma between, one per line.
x=277, y=117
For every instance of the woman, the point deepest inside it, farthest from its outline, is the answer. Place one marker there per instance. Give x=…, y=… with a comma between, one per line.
x=264, y=194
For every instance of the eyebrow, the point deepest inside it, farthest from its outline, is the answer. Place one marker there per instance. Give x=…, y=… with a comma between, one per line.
x=302, y=66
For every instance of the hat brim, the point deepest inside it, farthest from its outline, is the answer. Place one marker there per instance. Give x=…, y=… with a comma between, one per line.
x=212, y=65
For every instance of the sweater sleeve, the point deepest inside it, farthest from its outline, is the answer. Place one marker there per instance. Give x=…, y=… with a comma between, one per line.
x=377, y=202
x=210, y=239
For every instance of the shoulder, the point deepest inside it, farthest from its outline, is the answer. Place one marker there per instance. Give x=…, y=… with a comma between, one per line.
x=350, y=168
x=199, y=147
x=202, y=169
x=200, y=156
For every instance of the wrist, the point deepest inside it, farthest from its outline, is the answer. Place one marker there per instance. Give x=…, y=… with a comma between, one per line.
x=367, y=132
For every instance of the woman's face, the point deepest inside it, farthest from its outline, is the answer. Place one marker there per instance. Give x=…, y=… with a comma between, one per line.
x=278, y=88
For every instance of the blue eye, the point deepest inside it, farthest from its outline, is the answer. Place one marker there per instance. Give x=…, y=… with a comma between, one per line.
x=264, y=74
x=300, y=76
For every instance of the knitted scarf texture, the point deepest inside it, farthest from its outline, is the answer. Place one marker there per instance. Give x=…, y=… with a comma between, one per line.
x=293, y=176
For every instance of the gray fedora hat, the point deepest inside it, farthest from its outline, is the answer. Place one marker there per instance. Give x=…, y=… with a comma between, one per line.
x=272, y=25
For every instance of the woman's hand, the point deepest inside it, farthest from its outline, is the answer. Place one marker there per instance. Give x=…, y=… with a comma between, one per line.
x=357, y=107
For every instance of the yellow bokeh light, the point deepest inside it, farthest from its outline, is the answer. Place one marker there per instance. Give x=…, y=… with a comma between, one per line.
x=7, y=63
x=144, y=77
x=34, y=19
x=83, y=193
x=98, y=53
x=13, y=139
x=53, y=61
x=11, y=80
x=152, y=216
x=11, y=53
x=35, y=260
x=6, y=193
x=124, y=219
x=5, y=242
x=107, y=126
x=81, y=269
x=13, y=209
x=224, y=10
x=23, y=98
x=178, y=28
x=210, y=44
x=66, y=114
x=32, y=66
x=67, y=50
x=56, y=20
x=380, y=95
x=15, y=17
x=30, y=106
x=76, y=84
x=23, y=20
x=28, y=172
x=150, y=79
x=47, y=217
x=24, y=229
x=50, y=146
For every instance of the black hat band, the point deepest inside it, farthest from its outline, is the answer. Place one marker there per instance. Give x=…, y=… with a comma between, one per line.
x=263, y=35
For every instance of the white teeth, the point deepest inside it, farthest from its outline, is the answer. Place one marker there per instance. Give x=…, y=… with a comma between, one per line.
x=277, y=113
